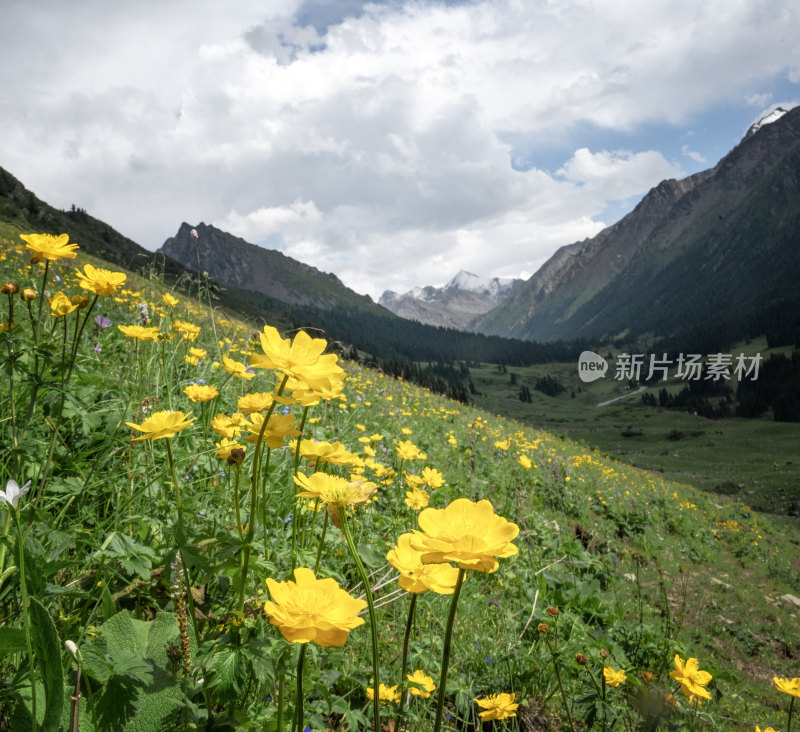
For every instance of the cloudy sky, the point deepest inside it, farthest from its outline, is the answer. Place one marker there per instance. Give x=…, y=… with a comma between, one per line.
x=393, y=143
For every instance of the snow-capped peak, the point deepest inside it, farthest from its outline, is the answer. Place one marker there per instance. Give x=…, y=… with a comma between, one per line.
x=472, y=283
x=773, y=116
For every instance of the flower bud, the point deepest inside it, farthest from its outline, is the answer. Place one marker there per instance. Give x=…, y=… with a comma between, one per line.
x=236, y=457
x=670, y=701
x=604, y=653
x=9, y=288
x=543, y=628
x=580, y=659
x=648, y=677
x=28, y=294
x=72, y=648
x=552, y=612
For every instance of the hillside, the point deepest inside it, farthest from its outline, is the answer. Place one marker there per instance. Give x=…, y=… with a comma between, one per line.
x=161, y=560
x=719, y=243
x=234, y=262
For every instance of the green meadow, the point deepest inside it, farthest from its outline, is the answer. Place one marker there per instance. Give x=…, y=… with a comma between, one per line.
x=202, y=517
x=754, y=460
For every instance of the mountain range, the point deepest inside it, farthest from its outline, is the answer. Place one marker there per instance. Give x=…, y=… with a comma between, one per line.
x=455, y=305
x=719, y=243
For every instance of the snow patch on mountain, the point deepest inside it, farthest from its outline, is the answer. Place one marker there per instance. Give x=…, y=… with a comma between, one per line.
x=773, y=116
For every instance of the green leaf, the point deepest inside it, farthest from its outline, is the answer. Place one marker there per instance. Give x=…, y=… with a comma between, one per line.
x=108, y=606
x=128, y=663
x=48, y=653
x=371, y=557
x=12, y=640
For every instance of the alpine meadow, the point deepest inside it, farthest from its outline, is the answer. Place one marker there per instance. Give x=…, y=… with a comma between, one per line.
x=212, y=523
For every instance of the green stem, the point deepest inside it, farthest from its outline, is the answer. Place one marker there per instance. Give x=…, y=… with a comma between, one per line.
x=239, y=526
x=789, y=723
x=362, y=573
x=25, y=620
x=404, y=665
x=11, y=371
x=321, y=542
x=254, y=495
x=78, y=334
x=281, y=693
x=448, y=634
x=561, y=685
x=298, y=721
x=181, y=540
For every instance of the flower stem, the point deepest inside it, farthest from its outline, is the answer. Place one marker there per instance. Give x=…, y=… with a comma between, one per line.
x=372, y=619
x=448, y=634
x=789, y=723
x=321, y=542
x=561, y=685
x=254, y=496
x=298, y=723
x=404, y=665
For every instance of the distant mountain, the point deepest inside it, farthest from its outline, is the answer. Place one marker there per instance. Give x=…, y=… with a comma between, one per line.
x=235, y=262
x=455, y=305
x=720, y=242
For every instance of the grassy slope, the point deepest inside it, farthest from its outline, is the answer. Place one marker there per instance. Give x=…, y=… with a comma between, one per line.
x=754, y=460
x=671, y=537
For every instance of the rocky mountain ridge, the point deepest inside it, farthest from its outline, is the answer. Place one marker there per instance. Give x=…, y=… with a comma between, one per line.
x=721, y=239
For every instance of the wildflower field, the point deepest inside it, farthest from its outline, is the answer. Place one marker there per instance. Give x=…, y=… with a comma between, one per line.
x=211, y=524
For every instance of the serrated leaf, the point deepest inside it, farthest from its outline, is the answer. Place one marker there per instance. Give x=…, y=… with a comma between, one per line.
x=125, y=662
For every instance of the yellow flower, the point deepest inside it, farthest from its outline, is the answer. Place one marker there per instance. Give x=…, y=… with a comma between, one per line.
x=234, y=368
x=524, y=461
x=279, y=427
x=417, y=499
x=497, y=706
x=100, y=281
x=255, y=402
x=426, y=682
x=311, y=609
x=691, y=678
x=47, y=246
x=139, y=332
x=300, y=359
x=161, y=424
x=787, y=686
x=502, y=444
x=416, y=577
x=407, y=450
x=225, y=446
x=201, y=392
x=386, y=694
x=198, y=352
x=60, y=305
x=766, y=729
x=335, y=491
x=468, y=533
x=169, y=300
x=432, y=477
x=189, y=330
x=229, y=427
x=335, y=453
x=612, y=677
